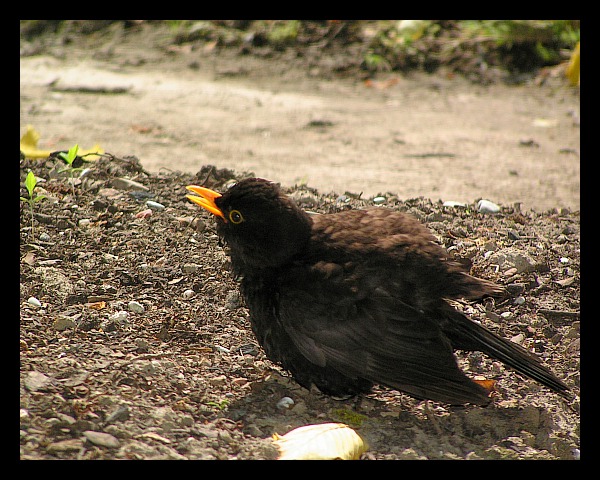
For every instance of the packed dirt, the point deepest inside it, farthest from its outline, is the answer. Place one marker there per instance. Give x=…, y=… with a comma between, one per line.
x=309, y=118
x=134, y=341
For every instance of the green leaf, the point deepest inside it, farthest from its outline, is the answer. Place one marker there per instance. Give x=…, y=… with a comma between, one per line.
x=30, y=182
x=71, y=155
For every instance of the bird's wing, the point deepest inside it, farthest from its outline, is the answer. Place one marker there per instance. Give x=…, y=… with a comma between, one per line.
x=370, y=333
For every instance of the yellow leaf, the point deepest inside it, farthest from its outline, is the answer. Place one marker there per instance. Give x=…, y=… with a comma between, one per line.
x=327, y=441
x=29, y=143
x=29, y=148
x=573, y=67
x=91, y=153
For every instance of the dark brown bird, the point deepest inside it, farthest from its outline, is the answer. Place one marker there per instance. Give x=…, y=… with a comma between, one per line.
x=347, y=300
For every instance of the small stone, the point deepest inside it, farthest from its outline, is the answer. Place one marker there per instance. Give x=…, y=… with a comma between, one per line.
x=190, y=267
x=135, y=307
x=119, y=415
x=101, y=439
x=285, y=403
x=44, y=237
x=513, y=235
x=126, y=184
x=34, y=302
x=84, y=222
x=218, y=381
x=452, y=203
x=485, y=206
x=233, y=300
x=519, y=300
x=63, y=323
x=155, y=205
x=510, y=272
x=65, y=446
x=187, y=294
x=379, y=200
x=35, y=381
x=119, y=317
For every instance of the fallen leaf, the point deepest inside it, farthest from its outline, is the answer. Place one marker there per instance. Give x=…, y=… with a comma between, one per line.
x=489, y=385
x=382, y=84
x=29, y=141
x=96, y=305
x=572, y=70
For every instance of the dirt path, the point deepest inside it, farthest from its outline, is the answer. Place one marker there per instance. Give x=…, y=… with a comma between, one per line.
x=420, y=136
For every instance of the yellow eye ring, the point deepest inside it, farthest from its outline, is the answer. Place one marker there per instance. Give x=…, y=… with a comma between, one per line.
x=236, y=217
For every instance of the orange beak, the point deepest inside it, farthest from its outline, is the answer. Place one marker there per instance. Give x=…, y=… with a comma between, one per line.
x=206, y=199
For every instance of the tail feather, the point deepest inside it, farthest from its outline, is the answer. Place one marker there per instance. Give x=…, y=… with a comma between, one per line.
x=468, y=335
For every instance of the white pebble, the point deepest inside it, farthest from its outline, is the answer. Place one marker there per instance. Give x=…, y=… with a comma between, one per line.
x=285, y=403
x=564, y=260
x=34, y=301
x=155, y=205
x=378, y=200
x=519, y=300
x=188, y=294
x=452, y=203
x=485, y=206
x=84, y=222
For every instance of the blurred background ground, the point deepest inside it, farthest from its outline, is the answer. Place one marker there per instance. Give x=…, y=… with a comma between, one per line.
x=451, y=110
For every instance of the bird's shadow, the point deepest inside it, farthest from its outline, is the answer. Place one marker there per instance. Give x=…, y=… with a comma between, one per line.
x=393, y=423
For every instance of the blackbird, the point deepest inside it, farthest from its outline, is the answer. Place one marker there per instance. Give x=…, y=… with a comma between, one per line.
x=347, y=300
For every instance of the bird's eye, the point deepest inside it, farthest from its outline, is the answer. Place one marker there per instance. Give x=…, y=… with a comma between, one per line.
x=236, y=217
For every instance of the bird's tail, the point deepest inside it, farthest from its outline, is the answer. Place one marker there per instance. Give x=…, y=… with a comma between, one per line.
x=468, y=335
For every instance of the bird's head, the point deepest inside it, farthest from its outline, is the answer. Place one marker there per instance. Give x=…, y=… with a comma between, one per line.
x=263, y=227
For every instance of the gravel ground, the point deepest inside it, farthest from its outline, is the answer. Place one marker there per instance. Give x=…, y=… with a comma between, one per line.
x=135, y=343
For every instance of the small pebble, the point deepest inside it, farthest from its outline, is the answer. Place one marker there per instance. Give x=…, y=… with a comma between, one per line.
x=285, y=403
x=485, y=206
x=378, y=200
x=84, y=222
x=63, y=323
x=101, y=439
x=155, y=205
x=518, y=338
x=135, y=307
x=188, y=294
x=119, y=317
x=519, y=300
x=44, y=237
x=452, y=203
x=34, y=301
x=190, y=267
